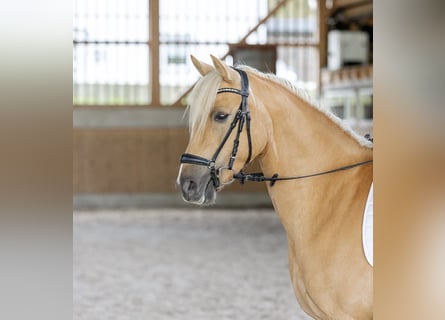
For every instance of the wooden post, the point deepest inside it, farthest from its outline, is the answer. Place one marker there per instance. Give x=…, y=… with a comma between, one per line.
x=154, y=52
x=322, y=40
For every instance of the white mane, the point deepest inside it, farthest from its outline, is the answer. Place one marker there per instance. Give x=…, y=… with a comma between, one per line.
x=283, y=82
x=203, y=96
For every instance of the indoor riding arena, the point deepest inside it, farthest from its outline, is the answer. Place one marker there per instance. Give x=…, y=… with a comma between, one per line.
x=141, y=251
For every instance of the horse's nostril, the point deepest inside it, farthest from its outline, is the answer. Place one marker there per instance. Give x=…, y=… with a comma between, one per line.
x=189, y=186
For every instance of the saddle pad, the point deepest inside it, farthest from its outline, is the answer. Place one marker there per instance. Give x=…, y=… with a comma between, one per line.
x=367, y=228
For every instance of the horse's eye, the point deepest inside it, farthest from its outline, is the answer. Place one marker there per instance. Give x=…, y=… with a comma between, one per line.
x=220, y=116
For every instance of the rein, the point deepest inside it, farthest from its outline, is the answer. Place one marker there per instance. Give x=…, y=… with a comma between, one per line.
x=243, y=117
x=259, y=176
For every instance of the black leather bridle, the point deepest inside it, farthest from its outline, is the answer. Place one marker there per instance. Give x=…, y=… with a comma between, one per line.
x=243, y=116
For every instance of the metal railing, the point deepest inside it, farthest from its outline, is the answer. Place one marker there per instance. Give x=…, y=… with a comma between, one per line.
x=137, y=52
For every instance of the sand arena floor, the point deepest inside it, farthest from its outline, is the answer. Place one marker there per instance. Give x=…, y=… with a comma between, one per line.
x=181, y=264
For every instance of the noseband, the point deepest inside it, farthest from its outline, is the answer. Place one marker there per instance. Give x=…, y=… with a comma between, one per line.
x=242, y=116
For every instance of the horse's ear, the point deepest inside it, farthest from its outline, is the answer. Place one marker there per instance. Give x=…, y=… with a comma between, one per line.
x=223, y=69
x=202, y=67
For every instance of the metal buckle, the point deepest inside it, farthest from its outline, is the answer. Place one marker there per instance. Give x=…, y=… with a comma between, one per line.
x=220, y=175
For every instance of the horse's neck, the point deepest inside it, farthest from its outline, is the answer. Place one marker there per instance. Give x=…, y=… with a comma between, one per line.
x=304, y=141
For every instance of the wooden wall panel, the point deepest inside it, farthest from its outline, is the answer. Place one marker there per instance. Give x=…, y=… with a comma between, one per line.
x=131, y=160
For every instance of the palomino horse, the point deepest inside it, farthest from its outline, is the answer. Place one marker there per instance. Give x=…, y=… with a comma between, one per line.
x=318, y=175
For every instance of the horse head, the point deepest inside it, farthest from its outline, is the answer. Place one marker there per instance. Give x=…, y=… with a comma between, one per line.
x=222, y=141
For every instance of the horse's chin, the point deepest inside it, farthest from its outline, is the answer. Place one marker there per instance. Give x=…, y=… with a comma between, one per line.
x=209, y=197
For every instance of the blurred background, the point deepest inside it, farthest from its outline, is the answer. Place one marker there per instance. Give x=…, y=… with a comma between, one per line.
x=139, y=251
x=36, y=116
x=132, y=74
